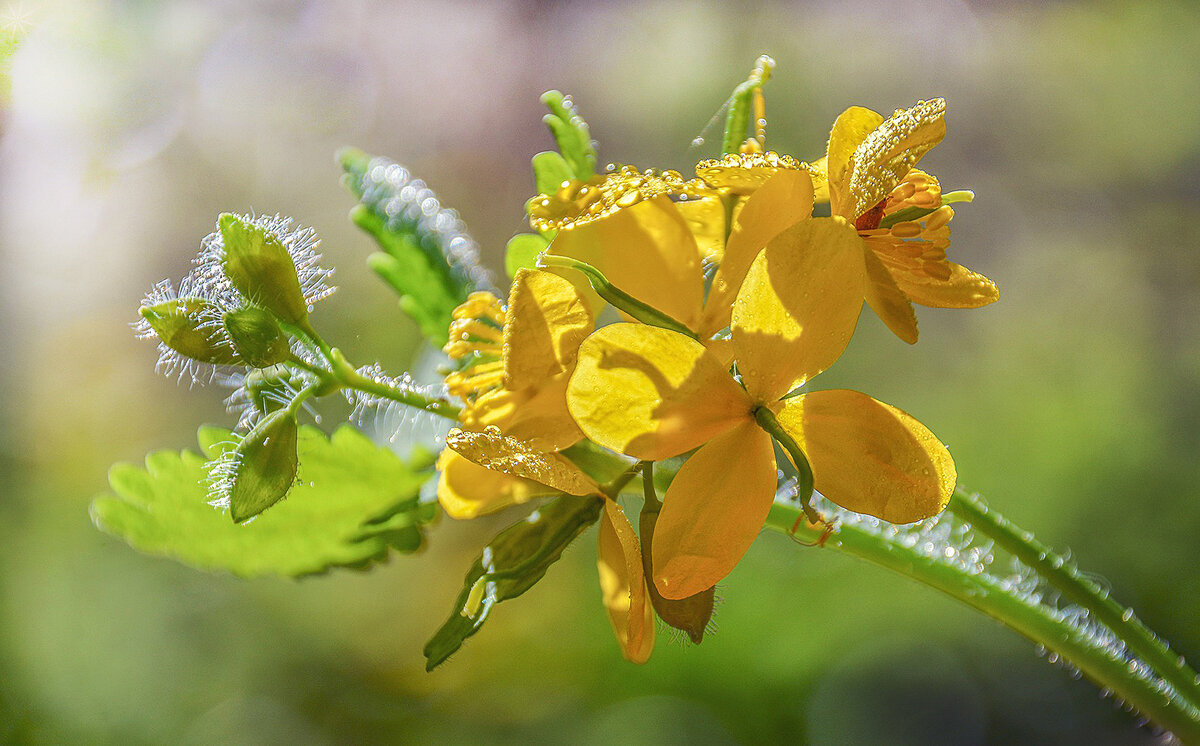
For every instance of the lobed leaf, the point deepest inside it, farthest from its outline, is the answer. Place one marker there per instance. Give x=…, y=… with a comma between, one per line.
x=511, y=564
x=354, y=500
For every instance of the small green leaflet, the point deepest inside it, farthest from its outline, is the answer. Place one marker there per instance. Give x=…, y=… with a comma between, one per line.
x=427, y=256
x=510, y=565
x=354, y=500
x=571, y=134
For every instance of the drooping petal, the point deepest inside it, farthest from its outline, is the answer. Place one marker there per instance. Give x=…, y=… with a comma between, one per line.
x=870, y=457
x=652, y=393
x=713, y=510
x=850, y=129
x=623, y=584
x=887, y=301
x=798, y=306
x=545, y=322
x=537, y=414
x=648, y=251
x=466, y=489
x=890, y=151
x=494, y=450
x=785, y=199
x=962, y=289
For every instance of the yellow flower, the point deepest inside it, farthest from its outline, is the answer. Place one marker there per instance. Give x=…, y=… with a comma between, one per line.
x=868, y=177
x=623, y=587
x=520, y=359
x=653, y=394
x=653, y=248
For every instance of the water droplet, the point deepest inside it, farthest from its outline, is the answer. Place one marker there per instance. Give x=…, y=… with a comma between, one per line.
x=1127, y=615
x=697, y=142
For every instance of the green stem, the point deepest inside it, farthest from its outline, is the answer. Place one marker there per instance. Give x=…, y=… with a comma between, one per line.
x=348, y=376
x=1171, y=707
x=615, y=296
x=804, y=476
x=740, y=103
x=1087, y=593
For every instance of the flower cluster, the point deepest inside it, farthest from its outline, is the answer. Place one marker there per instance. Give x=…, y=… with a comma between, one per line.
x=704, y=375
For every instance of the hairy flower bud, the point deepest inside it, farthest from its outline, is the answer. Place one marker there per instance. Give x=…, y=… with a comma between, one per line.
x=690, y=614
x=256, y=336
x=261, y=268
x=182, y=325
x=264, y=466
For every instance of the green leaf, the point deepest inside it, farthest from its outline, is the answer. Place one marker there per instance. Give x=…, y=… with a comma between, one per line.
x=427, y=256
x=550, y=170
x=354, y=500
x=571, y=133
x=510, y=565
x=522, y=252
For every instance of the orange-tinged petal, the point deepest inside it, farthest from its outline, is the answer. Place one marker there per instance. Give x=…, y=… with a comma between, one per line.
x=798, y=306
x=648, y=251
x=890, y=151
x=870, y=457
x=712, y=511
x=494, y=450
x=785, y=199
x=466, y=489
x=850, y=129
x=623, y=584
x=887, y=301
x=652, y=393
x=963, y=289
x=545, y=322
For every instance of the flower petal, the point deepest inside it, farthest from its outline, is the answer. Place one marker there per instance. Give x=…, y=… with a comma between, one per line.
x=870, y=457
x=648, y=251
x=798, y=306
x=850, y=129
x=786, y=198
x=537, y=414
x=712, y=511
x=466, y=489
x=652, y=393
x=890, y=151
x=962, y=289
x=494, y=450
x=888, y=301
x=623, y=584
x=706, y=220
x=545, y=322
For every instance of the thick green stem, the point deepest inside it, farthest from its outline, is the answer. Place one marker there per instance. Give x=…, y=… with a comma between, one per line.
x=1152, y=694
x=351, y=378
x=1081, y=590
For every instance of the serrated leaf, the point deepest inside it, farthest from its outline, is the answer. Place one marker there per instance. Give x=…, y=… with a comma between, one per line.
x=430, y=260
x=522, y=252
x=354, y=500
x=511, y=564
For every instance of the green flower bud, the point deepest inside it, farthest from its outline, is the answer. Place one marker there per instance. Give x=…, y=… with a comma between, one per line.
x=184, y=325
x=264, y=466
x=690, y=614
x=256, y=336
x=270, y=389
x=261, y=268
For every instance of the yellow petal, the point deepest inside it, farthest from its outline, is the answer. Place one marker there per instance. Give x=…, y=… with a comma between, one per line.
x=891, y=150
x=467, y=490
x=706, y=220
x=623, y=585
x=648, y=251
x=785, y=199
x=850, y=129
x=545, y=322
x=819, y=170
x=963, y=289
x=798, y=306
x=494, y=450
x=743, y=173
x=887, y=300
x=652, y=393
x=712, y=511
x=537, y=415
x=870, y=457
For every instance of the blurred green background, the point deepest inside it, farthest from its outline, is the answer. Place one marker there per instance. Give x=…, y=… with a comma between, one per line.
x=1073, y=404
